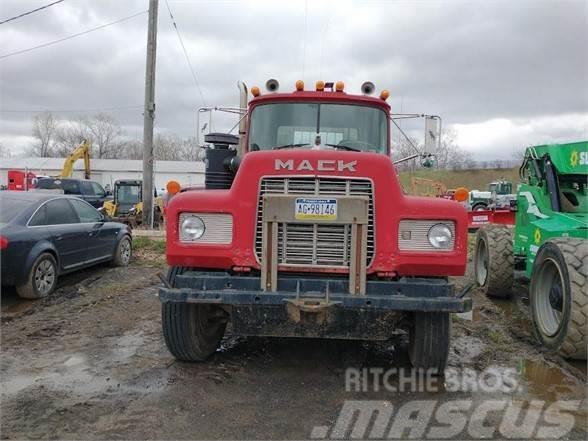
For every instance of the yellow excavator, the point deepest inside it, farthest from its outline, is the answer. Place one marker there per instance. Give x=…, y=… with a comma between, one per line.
x=81, y=151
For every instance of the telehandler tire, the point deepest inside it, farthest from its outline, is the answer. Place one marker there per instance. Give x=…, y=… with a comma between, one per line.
x=192, y=332
x=559, y=296
x=429, y=339
x=494, y=260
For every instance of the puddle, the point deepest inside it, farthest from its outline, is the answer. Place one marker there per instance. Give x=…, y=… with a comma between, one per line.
x=547, y=381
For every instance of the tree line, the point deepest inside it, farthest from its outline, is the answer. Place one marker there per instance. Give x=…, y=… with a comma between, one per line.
x=55, y=137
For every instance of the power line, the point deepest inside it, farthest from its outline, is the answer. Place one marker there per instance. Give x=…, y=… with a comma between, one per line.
x=22, y=51
x=95, y=109
x=30, y=12
x=185, y=52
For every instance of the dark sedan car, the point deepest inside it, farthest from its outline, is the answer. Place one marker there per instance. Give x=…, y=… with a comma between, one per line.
x=44, y=235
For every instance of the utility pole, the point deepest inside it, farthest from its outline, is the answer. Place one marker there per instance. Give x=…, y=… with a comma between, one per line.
x=149, y=114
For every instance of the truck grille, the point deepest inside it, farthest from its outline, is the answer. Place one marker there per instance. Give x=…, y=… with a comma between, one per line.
x=315, y=244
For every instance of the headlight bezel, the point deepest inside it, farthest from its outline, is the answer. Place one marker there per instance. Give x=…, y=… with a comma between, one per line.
x=199, y=226
x=434, y=234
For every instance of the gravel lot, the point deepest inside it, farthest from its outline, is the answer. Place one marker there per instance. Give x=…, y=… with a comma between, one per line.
x=90, y=363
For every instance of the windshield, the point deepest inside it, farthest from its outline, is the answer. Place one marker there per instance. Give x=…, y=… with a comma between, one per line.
x=360, y=127
x=128, y=194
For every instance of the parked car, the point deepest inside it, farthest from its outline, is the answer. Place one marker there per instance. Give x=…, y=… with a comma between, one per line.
x=90, y=191
x=44, y=235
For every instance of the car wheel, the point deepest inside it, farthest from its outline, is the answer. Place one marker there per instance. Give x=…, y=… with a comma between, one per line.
x=123, y=253
x=41, y=280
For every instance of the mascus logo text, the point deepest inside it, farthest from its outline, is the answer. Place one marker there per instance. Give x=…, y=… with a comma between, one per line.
x=322, y=165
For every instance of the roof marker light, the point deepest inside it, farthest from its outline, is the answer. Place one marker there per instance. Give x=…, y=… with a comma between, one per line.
x=384, y=95
x=339, y=86
x=299, y=85
x=320, y=86
x=255, y=91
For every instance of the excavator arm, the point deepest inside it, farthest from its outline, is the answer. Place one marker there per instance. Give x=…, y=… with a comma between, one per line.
x=82, y=151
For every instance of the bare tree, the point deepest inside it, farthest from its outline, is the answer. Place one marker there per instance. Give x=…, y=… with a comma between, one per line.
x=105, y=133
x=69, y=135
x=44, y=131
x=132, y=149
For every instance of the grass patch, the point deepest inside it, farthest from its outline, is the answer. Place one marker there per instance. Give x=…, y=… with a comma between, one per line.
x=142, y=243
x=471, y=179
x=498, y=338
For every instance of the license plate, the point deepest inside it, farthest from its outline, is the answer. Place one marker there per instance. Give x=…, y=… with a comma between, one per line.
x=315, y=209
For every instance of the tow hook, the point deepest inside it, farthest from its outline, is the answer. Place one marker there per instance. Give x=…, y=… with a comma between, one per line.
x=312, y=309
x=164, y=281
x=466, y=290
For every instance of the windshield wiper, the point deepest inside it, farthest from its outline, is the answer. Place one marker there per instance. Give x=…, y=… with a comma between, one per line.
x=344, y=147
x=290, y=145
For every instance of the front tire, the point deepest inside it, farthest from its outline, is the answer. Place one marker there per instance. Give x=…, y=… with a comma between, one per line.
x=41, y=280
x=494, y=260
x=192, y=332
x=429, y=339
x=559, y=296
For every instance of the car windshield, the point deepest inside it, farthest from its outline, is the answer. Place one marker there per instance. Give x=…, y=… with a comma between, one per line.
x=297, y=124
x=128, y=194
x=11, y=206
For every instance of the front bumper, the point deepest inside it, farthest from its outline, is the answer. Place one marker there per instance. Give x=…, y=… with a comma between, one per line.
x=407, y=294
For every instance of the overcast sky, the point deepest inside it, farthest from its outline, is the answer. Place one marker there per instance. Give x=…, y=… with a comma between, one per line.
x=504, y=74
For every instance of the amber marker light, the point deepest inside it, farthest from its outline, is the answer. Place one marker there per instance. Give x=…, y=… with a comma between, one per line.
x=339, y=86
x=299, y=85
x=320, y=86
x=255, y=91
x=173, y=187
x=384, y=95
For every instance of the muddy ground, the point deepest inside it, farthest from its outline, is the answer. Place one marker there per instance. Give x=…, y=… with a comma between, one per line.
x=90, y=362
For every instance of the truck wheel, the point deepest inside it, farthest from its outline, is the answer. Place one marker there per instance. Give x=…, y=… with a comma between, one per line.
x=494, y=260
x=429, y=340
x=191, y=332
x=480, y=207
x=41, y=280
x=559, y=296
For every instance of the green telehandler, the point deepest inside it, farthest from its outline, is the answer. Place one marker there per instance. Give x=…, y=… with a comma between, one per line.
x=549, y=242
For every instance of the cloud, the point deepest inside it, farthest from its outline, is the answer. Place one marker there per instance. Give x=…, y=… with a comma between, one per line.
x=473, y=62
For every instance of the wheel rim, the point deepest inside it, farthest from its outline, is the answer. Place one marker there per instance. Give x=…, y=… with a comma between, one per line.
x=549, y=298
x=480, y=208
x=125, y=251
x=44, y=277
x=481, y=263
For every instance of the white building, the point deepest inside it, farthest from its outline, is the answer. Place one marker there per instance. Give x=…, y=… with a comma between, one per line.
x=106, y=171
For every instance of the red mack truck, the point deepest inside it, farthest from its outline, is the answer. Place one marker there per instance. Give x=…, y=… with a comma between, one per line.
x=303, y=230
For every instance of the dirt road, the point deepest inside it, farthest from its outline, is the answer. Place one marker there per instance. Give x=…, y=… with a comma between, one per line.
x=90, y=362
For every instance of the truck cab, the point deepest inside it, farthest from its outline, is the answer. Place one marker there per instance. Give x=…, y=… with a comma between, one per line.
x=303, y=230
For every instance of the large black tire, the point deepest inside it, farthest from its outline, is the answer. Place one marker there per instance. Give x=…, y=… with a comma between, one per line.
x=41, y=280
x=480, y=206
x=429, y=339
x=191, y=332
x=494, y=260
x=559, y=296
x=123, y=252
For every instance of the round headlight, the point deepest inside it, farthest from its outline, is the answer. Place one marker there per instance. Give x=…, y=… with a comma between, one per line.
x=440, y=236
x=192, y=227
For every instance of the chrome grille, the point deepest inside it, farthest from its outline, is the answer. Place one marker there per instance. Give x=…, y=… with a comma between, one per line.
x=315, y=244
